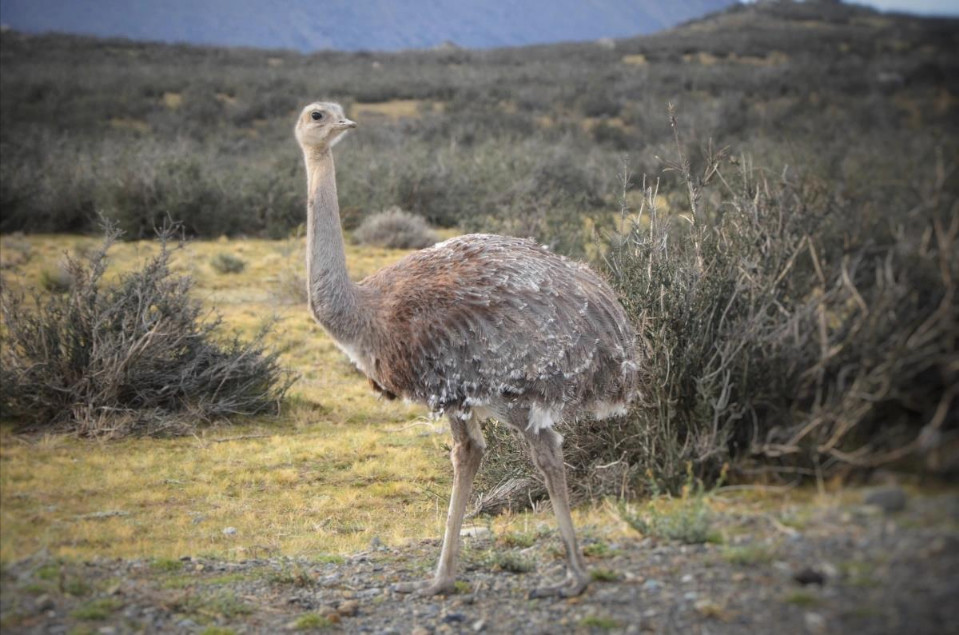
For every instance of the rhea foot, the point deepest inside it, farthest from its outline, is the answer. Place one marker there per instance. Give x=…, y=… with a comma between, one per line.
x=568, y=588
x=426, y=588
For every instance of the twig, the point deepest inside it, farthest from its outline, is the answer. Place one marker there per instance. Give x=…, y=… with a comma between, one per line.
x=242, y=437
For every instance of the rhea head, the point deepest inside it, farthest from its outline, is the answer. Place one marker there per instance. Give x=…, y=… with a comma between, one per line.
x=321, y=125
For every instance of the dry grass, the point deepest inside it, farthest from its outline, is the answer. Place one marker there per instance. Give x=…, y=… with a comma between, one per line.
x=307, y=484
x=394, y=109
x=338, y=468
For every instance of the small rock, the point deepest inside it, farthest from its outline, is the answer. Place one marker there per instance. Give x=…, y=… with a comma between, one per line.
x=686, y=578
x=782, y=566
x=330, y=580
x=475, y=532
x=376, y=543
x=815, y=623
x=229, y=531
x=369, y=593
x=44, y=603
x=186, y=624
x=478, y=625
x=652, y=585
x=348, y=608
x=808, y=575
x=419, y=630
x=107, y=630
x=454, y=618
x=332, y=616
x=889, y=499
x=691, y=595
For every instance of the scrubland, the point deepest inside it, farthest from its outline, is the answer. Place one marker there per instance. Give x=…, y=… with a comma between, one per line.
x=785, y=242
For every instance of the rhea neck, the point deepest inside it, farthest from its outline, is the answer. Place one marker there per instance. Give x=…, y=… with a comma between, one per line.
x=332, y=295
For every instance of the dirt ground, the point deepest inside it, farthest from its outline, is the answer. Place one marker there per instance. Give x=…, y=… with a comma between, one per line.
x=825, y=567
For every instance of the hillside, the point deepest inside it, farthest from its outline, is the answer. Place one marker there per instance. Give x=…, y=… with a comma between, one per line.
x=794, y=81
x=367, y=25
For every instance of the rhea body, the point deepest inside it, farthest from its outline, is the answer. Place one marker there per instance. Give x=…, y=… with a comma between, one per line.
x=476, y=327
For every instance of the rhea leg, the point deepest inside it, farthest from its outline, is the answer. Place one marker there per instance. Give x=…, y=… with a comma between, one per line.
x=466, y=455
x=546, y=448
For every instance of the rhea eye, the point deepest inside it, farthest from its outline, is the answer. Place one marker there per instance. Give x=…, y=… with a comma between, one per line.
x=317, y=115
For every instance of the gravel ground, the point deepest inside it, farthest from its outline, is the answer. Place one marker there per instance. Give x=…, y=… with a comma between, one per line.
x=852, y=568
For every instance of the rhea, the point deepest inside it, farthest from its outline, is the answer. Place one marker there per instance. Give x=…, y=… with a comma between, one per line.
x=477, y=327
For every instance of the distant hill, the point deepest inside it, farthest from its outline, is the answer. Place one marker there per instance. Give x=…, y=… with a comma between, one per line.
x=386, y=25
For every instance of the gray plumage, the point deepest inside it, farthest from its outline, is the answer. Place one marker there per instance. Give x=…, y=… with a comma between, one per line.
x=498, y=323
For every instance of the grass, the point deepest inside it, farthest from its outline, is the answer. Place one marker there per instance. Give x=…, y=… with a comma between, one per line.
x=598, y=549
x=604, y=575
x=327, y=476
x=99, y=609
x=166, y=565
x=337, y=468
x=802, y=598
x=509, y=561
x=311, y=622
x=748, y=555
x=600, y=623
x=687, y=518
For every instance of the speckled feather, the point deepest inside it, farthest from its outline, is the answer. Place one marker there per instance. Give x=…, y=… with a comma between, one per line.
x=496, y=324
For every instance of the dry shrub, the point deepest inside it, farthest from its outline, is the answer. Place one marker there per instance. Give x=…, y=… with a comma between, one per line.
x=395, y=229
x=784, y=329
x=138, y=356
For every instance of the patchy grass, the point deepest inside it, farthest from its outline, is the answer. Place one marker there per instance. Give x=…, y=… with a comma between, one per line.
x=748, y=555
x=604, y=575
x=166, y=565
x=311, y=622
x=601, y=623
x=509, y=561
x=687, y=518
x=599, y=549
x=99, y=609
x=337, y=468
x=802, y=598
x=518, y=540
x=294, y=576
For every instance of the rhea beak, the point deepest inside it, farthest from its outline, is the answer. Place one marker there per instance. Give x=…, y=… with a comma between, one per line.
x=345, y=124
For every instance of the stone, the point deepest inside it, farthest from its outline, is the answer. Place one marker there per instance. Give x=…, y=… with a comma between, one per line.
x=888, y=499
x=652, y=585
x=44, y=603
x=475, y=532
x=348, y=608
x=808, y=575
x=815, y=623
x=229, y=531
